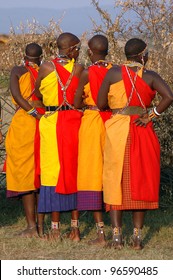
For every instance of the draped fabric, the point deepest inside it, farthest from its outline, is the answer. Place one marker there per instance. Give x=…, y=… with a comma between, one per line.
x=33, y=77
x=143, y=149
x=91, y=145
x=22, y=141
x=59, y=132
x=96, y=76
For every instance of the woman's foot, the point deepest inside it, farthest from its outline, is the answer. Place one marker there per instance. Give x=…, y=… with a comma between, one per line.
x=29, y=232
x=52, y=235
x=74, y=235
x=40, y=229
x=137, y=244
x=137, y=239
x=100, y=240
x=117, y=242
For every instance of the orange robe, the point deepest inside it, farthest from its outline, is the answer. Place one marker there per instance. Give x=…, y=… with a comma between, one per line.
x=92, y=135
x=91, y=145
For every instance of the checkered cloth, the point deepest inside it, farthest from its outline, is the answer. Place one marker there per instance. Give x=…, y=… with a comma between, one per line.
x=89, y=200
x=127, y=202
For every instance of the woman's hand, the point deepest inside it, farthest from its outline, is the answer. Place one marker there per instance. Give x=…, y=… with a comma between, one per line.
x=143, y=120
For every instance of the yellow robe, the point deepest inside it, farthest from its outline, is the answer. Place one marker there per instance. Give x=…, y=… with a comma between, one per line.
x=48, y=149
x=47, y=127
x=20, y=169
x=114, y=156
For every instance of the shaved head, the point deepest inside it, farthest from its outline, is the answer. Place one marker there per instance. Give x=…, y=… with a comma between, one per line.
x=98, y=44
x=134, y=47
x=66, y=40
x=33, y=50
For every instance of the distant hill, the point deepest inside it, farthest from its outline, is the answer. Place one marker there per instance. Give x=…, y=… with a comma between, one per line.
x=75, y=20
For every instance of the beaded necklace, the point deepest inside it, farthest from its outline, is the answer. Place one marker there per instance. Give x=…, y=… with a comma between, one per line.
x=133, y=81
x=63, y=88
x=133, y=64
x=27, y=63
x=99, y=63
x=134, y=87
x=62, y=58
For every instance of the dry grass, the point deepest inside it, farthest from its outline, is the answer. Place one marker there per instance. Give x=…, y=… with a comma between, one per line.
x=157, y=233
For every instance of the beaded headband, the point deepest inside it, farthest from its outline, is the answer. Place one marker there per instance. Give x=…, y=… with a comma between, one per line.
x=77, y=46
x=138, y=53
x=33, y=56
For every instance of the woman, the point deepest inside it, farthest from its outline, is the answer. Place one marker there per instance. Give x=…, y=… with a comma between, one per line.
x=131, y=174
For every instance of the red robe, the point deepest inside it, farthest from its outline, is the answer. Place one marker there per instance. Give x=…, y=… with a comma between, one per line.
x=34, y=75
x=68, y=123
x=144, y=147
x=96, y=77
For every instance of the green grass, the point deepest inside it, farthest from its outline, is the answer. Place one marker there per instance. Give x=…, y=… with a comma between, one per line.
x=157, y=233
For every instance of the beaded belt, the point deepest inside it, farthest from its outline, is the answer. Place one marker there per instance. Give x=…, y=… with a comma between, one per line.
x=92, y=107
x=130, y=110
x=54, y=108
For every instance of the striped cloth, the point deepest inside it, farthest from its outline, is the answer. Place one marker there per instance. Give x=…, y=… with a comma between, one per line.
x=51, y=201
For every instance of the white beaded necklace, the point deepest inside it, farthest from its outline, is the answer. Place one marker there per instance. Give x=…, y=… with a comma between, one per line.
x=101, y=63
x=133, y=64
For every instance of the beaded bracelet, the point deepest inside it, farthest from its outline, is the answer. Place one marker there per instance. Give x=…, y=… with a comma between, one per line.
x=33, y=112
x=155, y=111
x=30, y=111
x=152, y=114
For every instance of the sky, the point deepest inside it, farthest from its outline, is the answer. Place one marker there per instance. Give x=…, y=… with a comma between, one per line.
x=57, y=4
x=44, y=10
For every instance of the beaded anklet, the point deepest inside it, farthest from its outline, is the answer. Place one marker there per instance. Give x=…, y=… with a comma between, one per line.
x=100, y=227
x=55, y=225
x=74, y=223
